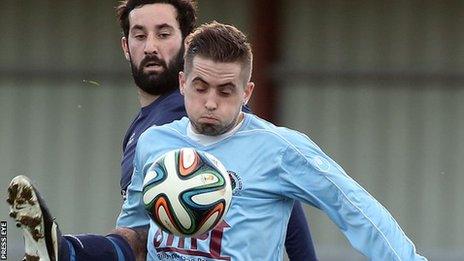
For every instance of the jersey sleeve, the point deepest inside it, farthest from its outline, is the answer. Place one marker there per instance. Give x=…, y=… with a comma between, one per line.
x=312, y=177
x=133, y=213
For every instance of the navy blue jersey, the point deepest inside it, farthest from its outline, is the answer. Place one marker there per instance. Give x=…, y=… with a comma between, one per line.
x=165, y=109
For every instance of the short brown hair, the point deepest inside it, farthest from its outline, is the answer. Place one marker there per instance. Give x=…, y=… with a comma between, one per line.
x=186, y=13
x=220, y=43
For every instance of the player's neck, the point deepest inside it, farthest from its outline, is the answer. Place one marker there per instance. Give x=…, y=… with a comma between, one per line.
x=145, y=98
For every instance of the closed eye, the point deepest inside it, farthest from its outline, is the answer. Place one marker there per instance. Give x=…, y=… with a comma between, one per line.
x=164, y=35
x=200, y=89
x=225, y=93
x=226, y=90
x=140, y=36
x=199, y=85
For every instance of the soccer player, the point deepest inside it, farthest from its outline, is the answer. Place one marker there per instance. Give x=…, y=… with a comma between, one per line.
x=154, y=31
x=277, y=166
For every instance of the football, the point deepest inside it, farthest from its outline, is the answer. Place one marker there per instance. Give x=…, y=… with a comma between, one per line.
x=187, y=192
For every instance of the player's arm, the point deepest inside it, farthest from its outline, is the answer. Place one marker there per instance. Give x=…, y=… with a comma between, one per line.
x=137, y=239
x=298, y=241
x=314, y=178
x=133, y=222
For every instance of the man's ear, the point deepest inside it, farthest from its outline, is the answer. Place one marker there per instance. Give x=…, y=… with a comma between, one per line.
x=182, y=79
x=248, y=92
x=125, y=48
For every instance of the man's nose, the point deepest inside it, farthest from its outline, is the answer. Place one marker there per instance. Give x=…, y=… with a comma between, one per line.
x=151, y=45
x=211, y=103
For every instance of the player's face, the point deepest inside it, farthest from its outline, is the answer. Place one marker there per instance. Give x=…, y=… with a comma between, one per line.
x=214, y=95
x=154, y=47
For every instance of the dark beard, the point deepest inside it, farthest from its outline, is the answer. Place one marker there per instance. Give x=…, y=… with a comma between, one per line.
x=158, y=83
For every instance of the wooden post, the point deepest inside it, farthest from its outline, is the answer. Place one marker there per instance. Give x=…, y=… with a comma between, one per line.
x=265, y=27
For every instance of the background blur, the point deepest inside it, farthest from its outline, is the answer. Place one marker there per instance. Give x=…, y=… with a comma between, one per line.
x=379, y=85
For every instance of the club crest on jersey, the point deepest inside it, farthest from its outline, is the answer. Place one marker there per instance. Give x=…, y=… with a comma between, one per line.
x=320, y=163
x=236, y=181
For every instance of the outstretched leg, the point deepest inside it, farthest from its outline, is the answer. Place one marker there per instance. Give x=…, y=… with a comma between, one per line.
x=44, y=242
x=41, y=233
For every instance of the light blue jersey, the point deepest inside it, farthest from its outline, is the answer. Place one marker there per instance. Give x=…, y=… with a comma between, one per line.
x=272, y=167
